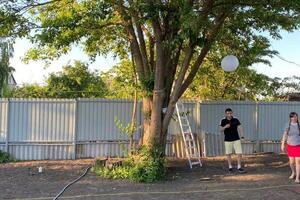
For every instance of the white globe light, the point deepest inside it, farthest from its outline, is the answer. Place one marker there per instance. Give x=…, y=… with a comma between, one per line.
x=229, y=63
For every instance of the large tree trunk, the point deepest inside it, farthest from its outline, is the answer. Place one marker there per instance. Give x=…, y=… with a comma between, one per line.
x=153, y=130
x=155, y=133
x=147, y=107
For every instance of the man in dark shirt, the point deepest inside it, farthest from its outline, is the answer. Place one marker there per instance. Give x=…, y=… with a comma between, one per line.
x=232, y=127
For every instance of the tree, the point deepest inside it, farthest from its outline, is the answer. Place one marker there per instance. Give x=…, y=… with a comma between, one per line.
x=285, y=87
x=6, y=52
x=75, y=82
x=28, y=91
x=169, y=40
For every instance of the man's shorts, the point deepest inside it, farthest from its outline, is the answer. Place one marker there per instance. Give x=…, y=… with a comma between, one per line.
x=234, y=146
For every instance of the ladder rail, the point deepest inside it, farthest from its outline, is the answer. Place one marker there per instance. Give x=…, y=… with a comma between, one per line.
x=191, y=147
x=182, y=132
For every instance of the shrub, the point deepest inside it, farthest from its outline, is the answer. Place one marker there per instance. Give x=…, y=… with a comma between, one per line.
x=147, y=166
x=4, y=157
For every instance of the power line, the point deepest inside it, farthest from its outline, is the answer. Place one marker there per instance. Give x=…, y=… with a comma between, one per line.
x=288, y=61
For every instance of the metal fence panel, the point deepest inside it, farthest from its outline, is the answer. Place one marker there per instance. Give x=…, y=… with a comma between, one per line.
x=272, y=118
x=40, y=152
x=2, y=147
x=274, y=147
x=96, y=119
x=108, y=149
x=105, y=149
x=248, y=148
x=192, y=114
x=178, y=150
x=47, y=120
x=214, y=145
x=212, y=112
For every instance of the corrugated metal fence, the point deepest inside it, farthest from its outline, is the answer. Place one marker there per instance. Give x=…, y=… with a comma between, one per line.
x=263, y=124
x=35, y=129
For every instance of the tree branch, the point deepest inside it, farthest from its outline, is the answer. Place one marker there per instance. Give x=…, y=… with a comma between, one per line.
x=33, y=5
x=184, y=67
x=133, y=40
x=160, y=54
x=151, y=41
x=210, y=39
x=151, y=52
x=174, y=96
x=142, y=46
x=171, y=75
x=143, y=49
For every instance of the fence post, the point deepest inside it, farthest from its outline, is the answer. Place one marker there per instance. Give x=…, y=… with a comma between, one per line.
x=74, y=156
x=257, y=145
x=198, y=127
x=7, y=128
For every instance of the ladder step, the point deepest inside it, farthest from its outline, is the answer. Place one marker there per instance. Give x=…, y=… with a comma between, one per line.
x=188, y=140
x=184, y=121
x=196, y=163
x=191, y=147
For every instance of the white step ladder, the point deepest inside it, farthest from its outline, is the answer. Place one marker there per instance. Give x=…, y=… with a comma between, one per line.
x=188, y=137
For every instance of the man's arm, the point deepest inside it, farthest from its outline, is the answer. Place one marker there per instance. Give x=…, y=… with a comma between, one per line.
x=241, y=131
x=222, y=128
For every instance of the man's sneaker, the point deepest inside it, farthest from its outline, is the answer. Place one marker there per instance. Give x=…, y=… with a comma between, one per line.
x=230, y=169
x=241, y=170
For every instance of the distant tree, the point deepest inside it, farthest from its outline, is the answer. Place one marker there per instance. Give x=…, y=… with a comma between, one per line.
x=6, y=52
x=285, y=87
x=74, y=81
x=28, y=91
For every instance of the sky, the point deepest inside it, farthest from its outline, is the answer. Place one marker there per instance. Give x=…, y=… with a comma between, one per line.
x=35, y=71
x=289, y=49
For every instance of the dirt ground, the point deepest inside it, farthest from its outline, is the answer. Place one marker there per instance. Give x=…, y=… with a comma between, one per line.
x=266, y=178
